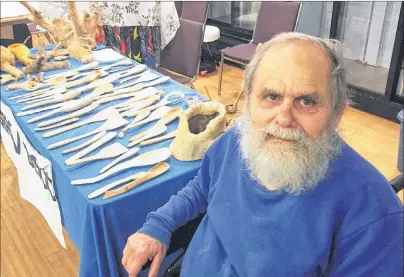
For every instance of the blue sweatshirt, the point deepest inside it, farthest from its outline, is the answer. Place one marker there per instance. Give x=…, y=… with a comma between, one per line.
x=351, y=224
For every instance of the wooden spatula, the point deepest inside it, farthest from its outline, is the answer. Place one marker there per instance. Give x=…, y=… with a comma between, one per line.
x=103, y=189
x=154, y=172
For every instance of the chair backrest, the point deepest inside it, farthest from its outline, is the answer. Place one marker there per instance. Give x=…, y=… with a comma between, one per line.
x=183, y=53
x=178, y=6
x=274, y=18
x=195, y=11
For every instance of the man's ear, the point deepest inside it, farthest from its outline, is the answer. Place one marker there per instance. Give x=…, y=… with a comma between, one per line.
x=341, y=113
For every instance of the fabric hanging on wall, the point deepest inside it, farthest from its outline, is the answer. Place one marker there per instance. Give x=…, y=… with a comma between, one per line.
x=139, y=30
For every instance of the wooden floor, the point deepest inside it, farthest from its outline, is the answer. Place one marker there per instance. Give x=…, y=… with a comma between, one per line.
x=28, y=247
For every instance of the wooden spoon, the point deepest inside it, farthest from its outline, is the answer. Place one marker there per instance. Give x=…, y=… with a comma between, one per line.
x=85, y=144
x=100, y=116
x=127, y=155
x=170, y=116
x=141, y=104
x=155, y=131
x=107, y=152
x=158, y=139
x=51, y=107
x=69, y=106
x=110, y=124
x=155, y=115
x=154, y=172
x=62, y=123
x=145, y=159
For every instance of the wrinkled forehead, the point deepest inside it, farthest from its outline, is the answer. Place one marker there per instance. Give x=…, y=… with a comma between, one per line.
x=294, y=67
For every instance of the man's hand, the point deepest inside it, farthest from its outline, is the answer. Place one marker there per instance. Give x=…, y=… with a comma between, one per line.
x=138, y=250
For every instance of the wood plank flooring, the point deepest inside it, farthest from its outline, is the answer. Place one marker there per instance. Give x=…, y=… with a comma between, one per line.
x=29, y=248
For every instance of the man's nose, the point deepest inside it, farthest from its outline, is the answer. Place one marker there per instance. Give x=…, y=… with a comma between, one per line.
x=285, y=117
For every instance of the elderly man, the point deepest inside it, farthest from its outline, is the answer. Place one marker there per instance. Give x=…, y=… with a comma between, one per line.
x=284, y=195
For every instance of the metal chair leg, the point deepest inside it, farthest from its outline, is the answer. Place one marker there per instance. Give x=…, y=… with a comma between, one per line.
x=219, y=90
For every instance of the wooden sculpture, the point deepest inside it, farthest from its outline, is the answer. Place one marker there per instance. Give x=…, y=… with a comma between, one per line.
x=21, y=52
x=76, y=34
x=7, y=62
x=198, y=128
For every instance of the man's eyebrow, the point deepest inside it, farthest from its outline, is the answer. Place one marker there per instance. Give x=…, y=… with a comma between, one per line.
x=265, y=91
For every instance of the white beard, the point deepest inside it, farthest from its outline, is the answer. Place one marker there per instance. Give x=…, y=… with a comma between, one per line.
x=293, y=167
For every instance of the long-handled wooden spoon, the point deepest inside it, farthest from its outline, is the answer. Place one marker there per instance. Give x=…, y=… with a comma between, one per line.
x=154, y=172
x=145, y=159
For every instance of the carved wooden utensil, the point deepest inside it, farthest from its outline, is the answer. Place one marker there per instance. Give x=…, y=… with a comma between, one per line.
x=100, y=116
x=170, y=116
x=85, y=103
x=75, y=71
x=137, y=87
x=39, y=110
x=103, y=189
x=110, y=124
x=108, y=137
x=85, y=144
x=155, y=115
x=145, y=159
x=155, y=131
x=141, y=104
x=62, y=123
x=69, y=106
x=107, y=152
x=127, y=155
x=159, y=139
x=154, y=172
x=171, y=98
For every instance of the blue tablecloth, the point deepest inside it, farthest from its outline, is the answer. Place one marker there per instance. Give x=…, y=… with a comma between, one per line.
x=98, y=227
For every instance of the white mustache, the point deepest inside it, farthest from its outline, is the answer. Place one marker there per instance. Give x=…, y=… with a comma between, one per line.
x=285, y=134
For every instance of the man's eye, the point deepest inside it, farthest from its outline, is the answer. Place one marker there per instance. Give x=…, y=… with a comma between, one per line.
x=273, y=97
x=307, y=102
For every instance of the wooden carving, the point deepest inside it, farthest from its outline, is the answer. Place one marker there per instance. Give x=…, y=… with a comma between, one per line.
x=7, y=63
x=76, y=34
x=198, y=128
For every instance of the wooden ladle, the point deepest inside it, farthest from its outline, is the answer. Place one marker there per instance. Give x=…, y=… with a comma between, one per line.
x=154, y=172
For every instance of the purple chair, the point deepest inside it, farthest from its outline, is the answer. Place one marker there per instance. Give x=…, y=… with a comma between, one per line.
x=195, y=11
x=273, y=18
x=183, y=53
